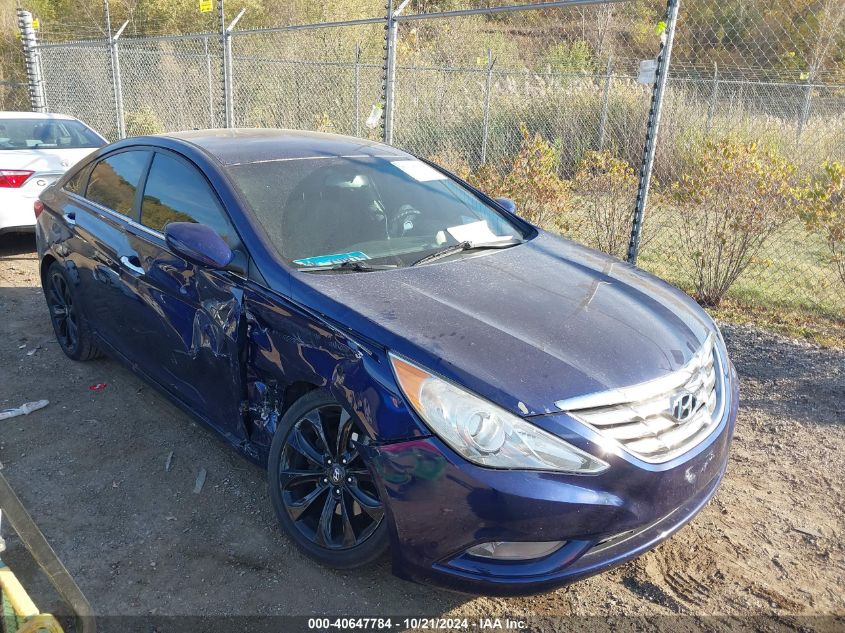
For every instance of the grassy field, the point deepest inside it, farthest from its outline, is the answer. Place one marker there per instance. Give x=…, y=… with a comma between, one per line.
x=790, y=286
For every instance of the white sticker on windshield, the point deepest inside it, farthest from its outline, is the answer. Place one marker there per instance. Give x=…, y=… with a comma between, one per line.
x=418, y=170
x=476, y=233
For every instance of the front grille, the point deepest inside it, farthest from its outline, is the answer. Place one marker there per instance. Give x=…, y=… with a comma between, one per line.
x=663, y=418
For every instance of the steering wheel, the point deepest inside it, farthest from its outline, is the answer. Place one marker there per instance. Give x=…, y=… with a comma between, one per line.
x=403, y=221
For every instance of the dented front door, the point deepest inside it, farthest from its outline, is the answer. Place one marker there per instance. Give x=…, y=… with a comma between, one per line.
x=193, y=333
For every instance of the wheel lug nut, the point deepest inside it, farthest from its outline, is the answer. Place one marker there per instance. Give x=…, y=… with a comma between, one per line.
x=329, y=462
x=325, y=480
x=337, y=491
x=349, y=480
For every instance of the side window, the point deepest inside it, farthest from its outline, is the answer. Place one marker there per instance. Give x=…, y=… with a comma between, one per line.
x=178, y=192
x=74, y=185
x=115, y=179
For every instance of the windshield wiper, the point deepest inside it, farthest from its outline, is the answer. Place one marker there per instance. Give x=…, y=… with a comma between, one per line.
x=349, y=266
x=465, y=246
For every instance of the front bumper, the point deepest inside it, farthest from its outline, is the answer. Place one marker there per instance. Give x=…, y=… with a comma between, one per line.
x=439, y=505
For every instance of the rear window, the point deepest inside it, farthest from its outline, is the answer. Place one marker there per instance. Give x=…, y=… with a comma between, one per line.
x=46, y=134
x=115, y=179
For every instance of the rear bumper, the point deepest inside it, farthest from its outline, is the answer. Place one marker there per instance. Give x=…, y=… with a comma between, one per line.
x=16, y=212
x=439, y=505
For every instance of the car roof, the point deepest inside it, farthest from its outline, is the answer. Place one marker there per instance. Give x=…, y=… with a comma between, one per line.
x=237, y=146
x=35, y=115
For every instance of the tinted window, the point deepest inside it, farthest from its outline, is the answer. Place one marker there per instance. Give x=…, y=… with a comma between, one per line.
x=178, y=192
x=114, y=181
x=394, y=210
x=46, y=134
x=75, y=182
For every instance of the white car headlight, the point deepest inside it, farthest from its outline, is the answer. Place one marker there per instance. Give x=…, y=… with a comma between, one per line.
x=484, y=433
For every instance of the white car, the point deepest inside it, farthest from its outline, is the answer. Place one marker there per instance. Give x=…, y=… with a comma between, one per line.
x=35, y=150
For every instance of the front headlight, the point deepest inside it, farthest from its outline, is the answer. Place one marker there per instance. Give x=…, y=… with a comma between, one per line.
x=484, y=433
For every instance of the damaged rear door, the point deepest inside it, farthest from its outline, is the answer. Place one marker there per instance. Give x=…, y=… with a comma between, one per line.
x=196, y=350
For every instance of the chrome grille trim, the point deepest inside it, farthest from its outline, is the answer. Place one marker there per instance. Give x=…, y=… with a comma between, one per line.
x=640, y=418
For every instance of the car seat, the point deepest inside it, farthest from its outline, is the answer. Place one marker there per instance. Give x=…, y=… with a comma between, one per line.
x=48, y=134
x=331, y=214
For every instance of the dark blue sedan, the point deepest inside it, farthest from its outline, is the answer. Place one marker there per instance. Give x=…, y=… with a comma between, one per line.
x=422, y=372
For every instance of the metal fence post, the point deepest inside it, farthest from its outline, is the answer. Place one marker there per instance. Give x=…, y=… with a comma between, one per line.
x=652, y=127
x=358, y=89
x=34, y=76
x=230, y=93
x=390, y=32
x=714, y=96
x=488, y=83
x=228, y=79
x=114, y=62
x=40, y=61
x=118, y=82
x=605, y=103
x=391, y=37
x=224, y=75
x=804, y=115
x=209, y=76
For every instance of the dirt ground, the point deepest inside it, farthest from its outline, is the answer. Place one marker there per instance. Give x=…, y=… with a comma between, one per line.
x=91, y=469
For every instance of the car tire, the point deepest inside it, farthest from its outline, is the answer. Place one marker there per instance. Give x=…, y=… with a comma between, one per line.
x=317, y=478
x=69, y=323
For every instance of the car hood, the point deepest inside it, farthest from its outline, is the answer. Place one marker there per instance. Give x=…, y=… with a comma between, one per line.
x=525, y=326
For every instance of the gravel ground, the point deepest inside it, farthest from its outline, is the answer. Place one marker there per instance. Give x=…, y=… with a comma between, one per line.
x=91, y=469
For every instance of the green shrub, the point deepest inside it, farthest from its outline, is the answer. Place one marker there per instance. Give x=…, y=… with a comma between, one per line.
x=570, y=57
x=452, y=160
x=143, y=121
x=823, y=211
x=531, y=180
x=605, y=187
x=731, y=201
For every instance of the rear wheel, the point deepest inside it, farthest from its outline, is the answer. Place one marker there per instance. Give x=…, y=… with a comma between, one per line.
x=69, y=324
x=322, y=492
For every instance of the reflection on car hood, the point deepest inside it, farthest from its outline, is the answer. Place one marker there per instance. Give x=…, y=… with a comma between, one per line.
x=526, y=326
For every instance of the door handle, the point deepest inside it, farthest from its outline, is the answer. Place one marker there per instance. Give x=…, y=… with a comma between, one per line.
x=127, y=261
x=70, y=218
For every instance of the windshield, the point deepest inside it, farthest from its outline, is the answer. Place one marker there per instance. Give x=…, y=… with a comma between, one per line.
x=46, y=134
x=392, y=210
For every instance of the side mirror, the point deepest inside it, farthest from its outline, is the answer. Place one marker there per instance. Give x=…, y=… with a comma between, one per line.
x=507, y=204
x=198, y=243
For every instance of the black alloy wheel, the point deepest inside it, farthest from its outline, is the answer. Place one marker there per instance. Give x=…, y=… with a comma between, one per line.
x=323, y=491
x=69, y=322
x=62, y=311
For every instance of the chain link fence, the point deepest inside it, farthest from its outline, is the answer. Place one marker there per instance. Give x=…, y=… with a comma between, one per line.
x=544, y=104
x=77, y=78
x=752, y=157
x=325, y=79
x=171, y=83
